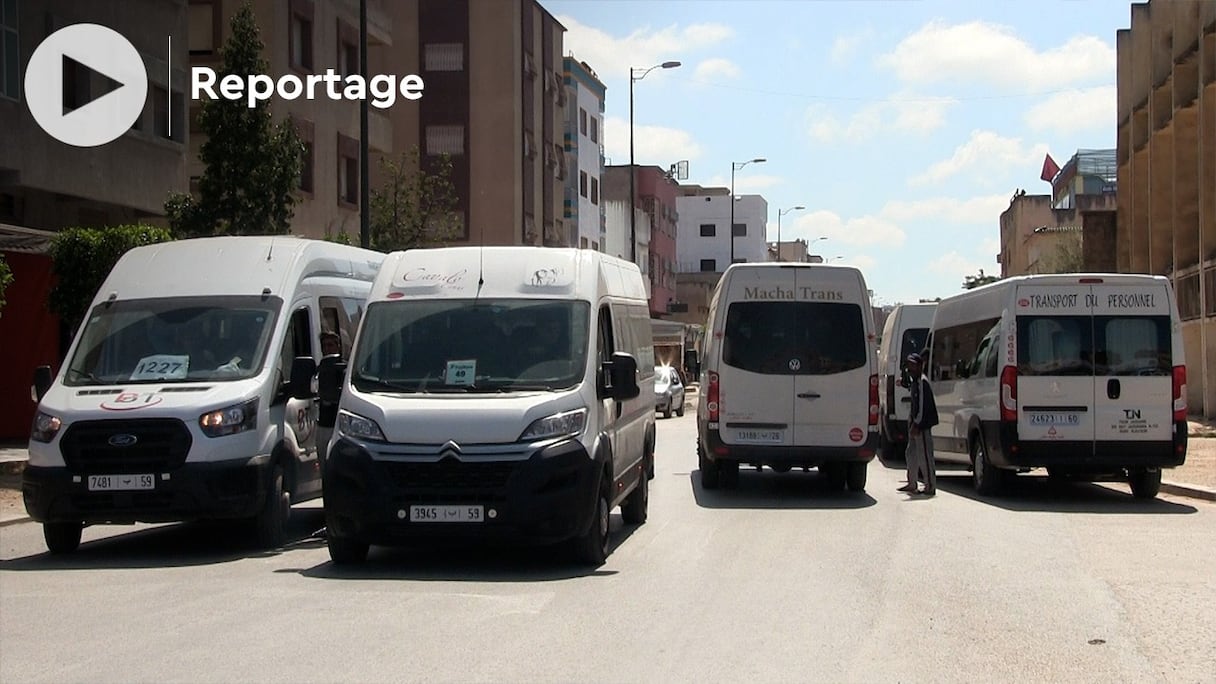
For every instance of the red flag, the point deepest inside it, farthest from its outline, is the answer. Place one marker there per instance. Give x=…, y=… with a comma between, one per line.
x=1050, y=169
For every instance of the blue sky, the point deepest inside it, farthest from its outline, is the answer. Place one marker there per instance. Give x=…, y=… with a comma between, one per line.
x=902, y=127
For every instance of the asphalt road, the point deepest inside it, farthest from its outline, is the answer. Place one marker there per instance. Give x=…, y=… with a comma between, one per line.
x=777, y=581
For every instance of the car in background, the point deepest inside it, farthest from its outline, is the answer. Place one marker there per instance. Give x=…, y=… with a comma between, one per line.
x=668, y=391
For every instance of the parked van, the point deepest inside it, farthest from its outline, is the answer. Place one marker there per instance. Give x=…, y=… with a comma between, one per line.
x=494, y=392
x=905, y=332
x=789, y=376
x=174, y=401
x=1081, y=374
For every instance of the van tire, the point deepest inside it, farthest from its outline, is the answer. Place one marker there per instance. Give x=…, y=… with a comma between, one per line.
x=834, y=476
x=987, y=478
x=591, y=548
x=856, y=476
x=709, y=469
x=728, y=472
x=270, y=524
x=633, y=510
x=345, y=550
x=62, y=537
x=1145, y=483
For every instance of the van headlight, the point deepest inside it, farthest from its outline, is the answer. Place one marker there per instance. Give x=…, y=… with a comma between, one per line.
x=45, y=427
x=358, y=427
x=230, y=419
x=556, y=425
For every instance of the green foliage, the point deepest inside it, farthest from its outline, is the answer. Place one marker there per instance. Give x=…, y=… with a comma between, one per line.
x=6, y=279
x=252, y=165
x=417, y=206
x=1067, y=257
x=341, y=237
x=82, y=258
x=973, y=281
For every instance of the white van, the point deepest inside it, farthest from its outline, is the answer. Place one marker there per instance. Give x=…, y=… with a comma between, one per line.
x=905, y=332
x=1081, y=374
x=494, y=392
x=173, y=402
x=788, y=374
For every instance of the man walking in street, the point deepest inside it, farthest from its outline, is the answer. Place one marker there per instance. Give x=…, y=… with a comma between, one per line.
x=921, y=418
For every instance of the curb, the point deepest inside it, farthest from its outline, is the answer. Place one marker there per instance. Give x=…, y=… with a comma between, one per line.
x=15, y=521
x=1193, y=491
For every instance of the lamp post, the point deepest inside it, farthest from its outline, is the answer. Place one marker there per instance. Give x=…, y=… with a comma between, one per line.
x=735, y=166
x=780, y=213
x=636, y=75
x=365, y=231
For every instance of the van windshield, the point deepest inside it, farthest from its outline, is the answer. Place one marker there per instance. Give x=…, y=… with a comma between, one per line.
x=794, y=338
x=493, y=345
x=1099, y=345
x=196, y=339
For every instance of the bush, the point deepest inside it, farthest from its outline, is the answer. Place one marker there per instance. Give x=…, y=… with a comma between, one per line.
x=6, y=279
x=83, y=257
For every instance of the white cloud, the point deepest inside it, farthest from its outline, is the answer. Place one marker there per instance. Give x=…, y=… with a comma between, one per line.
x=954, y=264
x=863, y=261
x=902, y=112
x=985, y=209
x=991, y=54
x=658, y=145
x=745, y=183
x=1075, y=110
x=861, y=231
x=985, y=154
x=845, y=47
x=612, y=56
x=716, y=67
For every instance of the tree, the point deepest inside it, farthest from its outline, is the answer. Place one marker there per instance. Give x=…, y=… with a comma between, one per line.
x=6, y=279
x=973, y=281
x=252, y=165
x=417, y=206
x=83, y=257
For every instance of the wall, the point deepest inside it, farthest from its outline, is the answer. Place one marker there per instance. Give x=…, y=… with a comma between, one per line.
x=29, y=337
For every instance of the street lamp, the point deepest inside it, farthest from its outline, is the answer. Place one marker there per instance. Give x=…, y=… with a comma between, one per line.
x=780, y=213
x=735, y=166
x=635, y=75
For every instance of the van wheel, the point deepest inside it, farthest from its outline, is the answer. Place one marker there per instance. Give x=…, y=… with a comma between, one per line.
x=834, y=476
x=271, y=523
x=856, y=477
x=986, y=477
x=592, y=547
x=729, y=473
x=62, y=537
x=633, y=510
x=1145, y=483
x=345, y=550
x=709, y=469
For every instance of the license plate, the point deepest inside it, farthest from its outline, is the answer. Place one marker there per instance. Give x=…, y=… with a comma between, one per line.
x=1055, y=419
x=759, y=436
x=121, y=483
x=449, y=514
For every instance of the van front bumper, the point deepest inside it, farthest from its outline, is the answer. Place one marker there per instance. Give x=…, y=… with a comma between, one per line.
x=545, y=498
x=793, y=456
x=192, y=491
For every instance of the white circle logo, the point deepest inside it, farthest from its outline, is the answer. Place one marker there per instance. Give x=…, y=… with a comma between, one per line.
x=109, y=85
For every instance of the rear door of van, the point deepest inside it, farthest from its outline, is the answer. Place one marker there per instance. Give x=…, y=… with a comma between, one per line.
x=1055, y=390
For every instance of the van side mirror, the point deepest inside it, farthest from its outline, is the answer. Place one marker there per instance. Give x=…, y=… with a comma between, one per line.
x=623, y=371
x=303, y=368
x=331, y=373
x=43, y=378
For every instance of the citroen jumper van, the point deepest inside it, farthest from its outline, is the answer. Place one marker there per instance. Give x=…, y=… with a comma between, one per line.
x=789, y=376
x=1081, y=374
x=905, y=332
x=175, y=402
x=496, y=393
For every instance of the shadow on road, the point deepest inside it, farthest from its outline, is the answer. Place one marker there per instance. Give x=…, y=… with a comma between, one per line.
x=468, y=561
x=1040, y=493
x=768, y=489
x=175, y=545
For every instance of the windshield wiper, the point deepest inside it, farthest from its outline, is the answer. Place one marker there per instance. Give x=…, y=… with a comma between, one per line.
x=86, y=375
x=383, y=384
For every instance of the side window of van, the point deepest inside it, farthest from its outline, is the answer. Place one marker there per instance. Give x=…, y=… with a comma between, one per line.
x=335, y=318
x=981, y=357
x=605, y=344
x=297, y=342
x=956, y=350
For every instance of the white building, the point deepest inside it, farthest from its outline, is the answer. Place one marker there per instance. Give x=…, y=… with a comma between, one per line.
x=616, y=234
x=584, y=146
x=702, y=241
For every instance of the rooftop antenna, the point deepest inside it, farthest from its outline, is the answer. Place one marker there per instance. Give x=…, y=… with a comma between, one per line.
x=481, y=259
x=270, y=249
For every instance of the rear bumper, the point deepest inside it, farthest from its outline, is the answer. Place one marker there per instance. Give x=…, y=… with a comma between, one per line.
x=1084, y=456
x=794, y=456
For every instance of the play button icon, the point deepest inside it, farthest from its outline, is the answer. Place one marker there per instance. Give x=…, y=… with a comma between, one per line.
x=85, y=85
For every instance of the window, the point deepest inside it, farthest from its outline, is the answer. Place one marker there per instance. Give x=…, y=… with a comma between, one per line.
x=348, y=170
x=954, y=349
x=444, y=57
x=595, y=191
x=912, y=342
x=582, y=121
x=10, y=51
x=794, y=338
x=167, y=111
x=447, y=140
x=340, y=316
x=740, y=230
x=348, y=50
x=582, y=243
x=299, y=37
x=297, y=342
x=582, y=183
x=595, y=129
x=305, y=131
x=709, y=265
x=708, y=230
x=203, y=27
x=1187, y=290
x=1133, y=346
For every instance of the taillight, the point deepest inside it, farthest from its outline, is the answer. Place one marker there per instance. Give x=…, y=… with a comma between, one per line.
x=873, y=400
x=1179, y=394
x=1009, y=394
x=711, y=398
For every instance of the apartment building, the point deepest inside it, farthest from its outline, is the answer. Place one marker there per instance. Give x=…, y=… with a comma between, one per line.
x=655, y=195
x=1038, y=237
x=46, y=185
x=1166, y=153
x=495, y=102
x=704, y=233
x=583, y=142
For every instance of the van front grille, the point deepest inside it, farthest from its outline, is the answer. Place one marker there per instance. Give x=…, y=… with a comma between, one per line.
x=148, y=445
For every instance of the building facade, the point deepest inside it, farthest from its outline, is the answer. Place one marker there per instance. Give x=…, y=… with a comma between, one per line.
x=583, y=141
x=1166, y=154
x=655, y=196
x=1038, y=238
x=703, y=235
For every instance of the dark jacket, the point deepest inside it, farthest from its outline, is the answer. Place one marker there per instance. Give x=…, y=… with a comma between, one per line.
x=923, y=413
